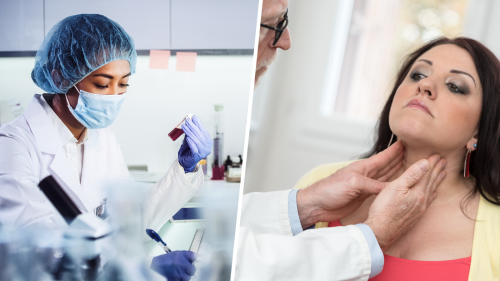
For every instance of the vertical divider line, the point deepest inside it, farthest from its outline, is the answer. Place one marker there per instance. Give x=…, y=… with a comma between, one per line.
x=170, y=19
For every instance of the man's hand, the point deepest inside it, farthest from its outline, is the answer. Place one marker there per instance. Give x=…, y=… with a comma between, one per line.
x=175, y=266
x=340, y=194
x=399, y=206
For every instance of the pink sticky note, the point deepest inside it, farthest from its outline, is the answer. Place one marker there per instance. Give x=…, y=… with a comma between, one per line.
x=159, y=59
x=186, y=61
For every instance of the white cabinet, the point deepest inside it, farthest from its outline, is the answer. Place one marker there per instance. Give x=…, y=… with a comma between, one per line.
x=147, y=21
x=21, y=25
x=154, y=24
x=215, y=24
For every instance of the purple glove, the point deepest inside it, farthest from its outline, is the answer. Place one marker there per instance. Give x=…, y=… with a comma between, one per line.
x=197, y=144
x=175, y=266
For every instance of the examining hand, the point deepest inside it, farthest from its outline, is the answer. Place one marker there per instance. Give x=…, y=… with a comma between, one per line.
x=197, y=144
x=340, y=194
x=402, y=202
x=177, y=265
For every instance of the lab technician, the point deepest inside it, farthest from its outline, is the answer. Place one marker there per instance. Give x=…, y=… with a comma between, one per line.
x=272, y=243
x=84, y=64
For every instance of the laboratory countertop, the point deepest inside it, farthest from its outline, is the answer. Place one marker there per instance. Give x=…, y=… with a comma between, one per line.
x=179, y=235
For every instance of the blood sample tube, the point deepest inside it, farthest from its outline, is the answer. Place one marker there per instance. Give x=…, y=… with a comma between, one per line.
x=177, y=131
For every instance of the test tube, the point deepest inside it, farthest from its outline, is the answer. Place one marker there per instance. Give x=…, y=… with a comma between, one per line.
x=218, y=164
x=177, y=131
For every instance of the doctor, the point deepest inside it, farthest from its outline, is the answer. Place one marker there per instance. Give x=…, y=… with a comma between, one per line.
x=273, y=241
x=84, y=64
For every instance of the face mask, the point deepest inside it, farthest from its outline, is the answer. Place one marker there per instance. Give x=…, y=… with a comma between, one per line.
x=96, y=111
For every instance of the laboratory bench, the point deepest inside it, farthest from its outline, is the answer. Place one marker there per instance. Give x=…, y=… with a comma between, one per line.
x=179, y=235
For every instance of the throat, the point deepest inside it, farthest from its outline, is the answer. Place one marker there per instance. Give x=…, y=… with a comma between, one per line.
x=454, y=184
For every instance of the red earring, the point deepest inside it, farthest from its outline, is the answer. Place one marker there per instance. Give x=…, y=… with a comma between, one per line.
x=466, y=164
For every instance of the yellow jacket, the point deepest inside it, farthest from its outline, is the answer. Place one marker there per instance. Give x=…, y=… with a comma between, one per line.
x=485, y=262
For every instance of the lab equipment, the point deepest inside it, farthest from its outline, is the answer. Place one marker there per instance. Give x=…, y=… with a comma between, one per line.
x=187, y=214
x=198, y=236
x=86, y=233
x=96, y=111
x=196, y=145
x=125, y=211
x=233, y=174
x=219, y=210
x=233, y=168
x=228, y=163
x=203, y=164
x=177, y=131
x=29, y=255
x=218, y=164
x=78, y=45
x=155, y=236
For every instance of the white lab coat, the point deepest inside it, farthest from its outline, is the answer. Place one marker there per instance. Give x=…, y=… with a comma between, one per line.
x=267, y=249
x=30, y=151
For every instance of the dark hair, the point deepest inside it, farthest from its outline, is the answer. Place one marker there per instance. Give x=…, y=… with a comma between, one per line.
x=485, y=160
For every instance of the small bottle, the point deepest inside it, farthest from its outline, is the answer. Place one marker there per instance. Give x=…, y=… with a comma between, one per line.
x=177, y=131
x=228, y=163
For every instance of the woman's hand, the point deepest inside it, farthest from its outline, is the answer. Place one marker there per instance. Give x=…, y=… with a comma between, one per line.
x=177, y=265
x=197, y=144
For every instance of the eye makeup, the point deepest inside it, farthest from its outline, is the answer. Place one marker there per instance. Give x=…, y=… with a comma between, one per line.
x=454, y=84
x=418, y=73
x=457, y=86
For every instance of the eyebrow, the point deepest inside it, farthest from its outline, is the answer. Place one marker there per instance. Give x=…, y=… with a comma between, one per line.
x=461, y=72
x=109, y=76
x=453, y=70
x=276, y=18
x=427, y=61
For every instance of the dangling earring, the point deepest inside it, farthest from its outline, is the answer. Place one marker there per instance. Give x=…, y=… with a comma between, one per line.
x=467, y=162
x=389, y=145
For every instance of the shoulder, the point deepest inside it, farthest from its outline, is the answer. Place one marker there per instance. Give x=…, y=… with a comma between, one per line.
x=489, y=212
x=18, y=130
x=486, y=243
x=319, y=173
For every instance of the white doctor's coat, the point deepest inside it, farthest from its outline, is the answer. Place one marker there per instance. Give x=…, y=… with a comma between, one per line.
x=267, y=249
x=30, y=151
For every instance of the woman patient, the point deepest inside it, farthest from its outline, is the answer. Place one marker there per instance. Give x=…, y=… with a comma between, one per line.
x=445, y=101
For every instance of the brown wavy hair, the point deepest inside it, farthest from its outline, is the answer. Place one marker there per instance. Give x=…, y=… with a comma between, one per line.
x=485, y=160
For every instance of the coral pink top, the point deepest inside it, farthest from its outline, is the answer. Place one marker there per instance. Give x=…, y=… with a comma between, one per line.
x=410, y=270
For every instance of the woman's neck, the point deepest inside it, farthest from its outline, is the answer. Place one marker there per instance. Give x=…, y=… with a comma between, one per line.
x=59, y=105
x=454, y=185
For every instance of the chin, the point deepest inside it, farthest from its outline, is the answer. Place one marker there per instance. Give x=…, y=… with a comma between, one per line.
x=412, y=130
x=258, y=75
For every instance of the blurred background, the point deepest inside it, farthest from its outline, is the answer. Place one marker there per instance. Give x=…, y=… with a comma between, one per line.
x=320, y=100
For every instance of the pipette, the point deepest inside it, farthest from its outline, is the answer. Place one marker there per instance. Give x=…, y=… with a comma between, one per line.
x=177, y=131
x=155, y=236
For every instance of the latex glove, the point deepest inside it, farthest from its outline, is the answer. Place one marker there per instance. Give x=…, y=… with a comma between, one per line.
x=177, y=265
x=197, y=144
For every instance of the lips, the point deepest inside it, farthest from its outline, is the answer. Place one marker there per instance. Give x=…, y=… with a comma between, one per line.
x=420, y=105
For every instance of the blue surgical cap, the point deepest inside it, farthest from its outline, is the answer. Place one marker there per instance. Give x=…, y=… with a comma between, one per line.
x=77, y=46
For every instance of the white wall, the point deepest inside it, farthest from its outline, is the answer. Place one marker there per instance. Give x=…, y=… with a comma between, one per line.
x=158, y=100
x=288, y=135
